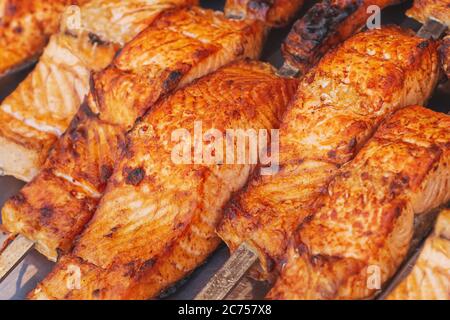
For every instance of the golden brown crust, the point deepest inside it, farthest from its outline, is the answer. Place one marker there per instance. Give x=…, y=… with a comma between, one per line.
x=180, y=46
x=325, y=25
x=422, y=10
x=25, y=27
x=154, y=227
x=338, y=106
x=41, y=113
x=272, y=12
x=430, y=277
x=362, y=228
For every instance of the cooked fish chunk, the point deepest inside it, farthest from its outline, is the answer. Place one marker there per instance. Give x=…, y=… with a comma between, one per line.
x=337, y=108
x=430, y=277
x=34, y=116
x=358, y=236
x=25, y=27
x=177, y=48
x=325, y=25
x=272, y=12
x=422, y=10
x=157, y=219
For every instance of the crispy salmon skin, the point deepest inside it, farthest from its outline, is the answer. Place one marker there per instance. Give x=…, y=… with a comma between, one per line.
x=338, y=105
x=178, y=47
x=157, y=219
x=361, y=231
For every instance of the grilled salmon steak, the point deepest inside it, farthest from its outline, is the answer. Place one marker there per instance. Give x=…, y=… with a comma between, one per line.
x=34, y=116
x=178, y=47
x=430, y=277
x=338, y=106
x=422, y=10
x=25, y=27
x=156, y=221
x=325, y=25
x=361, y=232
x=273, y=12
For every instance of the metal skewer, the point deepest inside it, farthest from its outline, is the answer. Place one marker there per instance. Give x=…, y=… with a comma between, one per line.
x=13, y=253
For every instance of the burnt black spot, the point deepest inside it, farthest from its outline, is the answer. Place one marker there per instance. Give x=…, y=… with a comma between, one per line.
x=423, y=44
x=172, y=80
x=95, y=39
x=257, y=5
x=10, y=9
x=105, y=173
x=301, y=249
x=86, y=109
x=18, y=29
x=18, y=198
x=96, y=293
x=134, y=176
x=46, y=212
x=148, y=264
x=111, y=232
x=332, y=154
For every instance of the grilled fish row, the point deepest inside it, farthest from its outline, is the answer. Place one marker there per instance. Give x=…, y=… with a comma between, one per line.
x=178, y=47
x=35, y=115
x=338, y=106
x=363, y=226
x=157, y=219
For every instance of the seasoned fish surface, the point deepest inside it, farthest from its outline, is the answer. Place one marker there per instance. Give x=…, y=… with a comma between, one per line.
x=157, y=219
x=430, y=277
x=25, y=27
x=360, y=234
x=422, y=10
x=178, y=47
x=337, y=108
x=325, y=25
x=34, y=116
x=445, y=55
x=272, y=12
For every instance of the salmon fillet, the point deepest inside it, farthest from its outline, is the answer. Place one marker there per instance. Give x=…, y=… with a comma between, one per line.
x=180, y=46
x=338, y=106
x=34, y=116
x=360, y=234
x=273, y=12
x=325, y=25
x=156, y=221
x=422, y=10
x=25, y=27
x=430, y=277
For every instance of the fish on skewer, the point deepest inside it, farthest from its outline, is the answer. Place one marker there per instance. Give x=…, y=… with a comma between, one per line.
x=338, y=106
x=352, y=243
x=178, y=47
x=156, y=221
x=423, y=10
x=429, y=279
x=35, y=115
x=275, y=13
x=25, y=27
x=325, y=25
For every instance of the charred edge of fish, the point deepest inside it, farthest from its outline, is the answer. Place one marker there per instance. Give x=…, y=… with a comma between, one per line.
x=319, y=23
x=134, y=176
x=95, y=39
